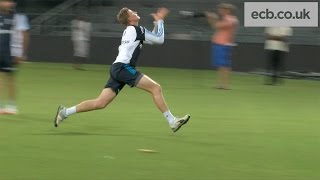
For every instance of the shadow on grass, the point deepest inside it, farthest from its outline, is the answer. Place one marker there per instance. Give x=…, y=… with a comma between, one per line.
x=133, y=134
x=78, y=133
x=67, y=134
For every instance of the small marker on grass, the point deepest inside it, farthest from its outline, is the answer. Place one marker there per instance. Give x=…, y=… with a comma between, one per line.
x=108, y=157
x=147, y=150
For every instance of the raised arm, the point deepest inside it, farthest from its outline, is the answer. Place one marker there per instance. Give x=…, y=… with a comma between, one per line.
x=157, y=35
x=215, y=23
x=212, y=18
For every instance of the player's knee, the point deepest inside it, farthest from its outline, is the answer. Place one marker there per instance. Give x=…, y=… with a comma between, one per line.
x=156, y=89
x=100, y=104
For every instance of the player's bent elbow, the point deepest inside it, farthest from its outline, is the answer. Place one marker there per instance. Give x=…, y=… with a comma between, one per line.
x=159, y=41
x=156, y=89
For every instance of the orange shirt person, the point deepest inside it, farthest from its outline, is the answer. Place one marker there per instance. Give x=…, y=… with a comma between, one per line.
x=223, y=41
x=225, y=31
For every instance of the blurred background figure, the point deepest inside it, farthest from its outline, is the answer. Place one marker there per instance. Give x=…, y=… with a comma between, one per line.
x=81, y=30
x=20, y=37
x=7, y=63
x=225, y=25
x=277, y=47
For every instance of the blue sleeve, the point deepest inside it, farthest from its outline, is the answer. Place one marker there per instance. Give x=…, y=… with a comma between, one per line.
x=155, y=37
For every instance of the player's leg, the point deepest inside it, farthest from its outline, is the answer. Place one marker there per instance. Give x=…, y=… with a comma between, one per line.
x=7, y=93
x=112, y=88
x=281, y=66
x=269, y=60
x=149, y=85
x=82, y=54
x=8, y=83
x=16, y=58
x=11, y=107
x=215, y=63
x=218, y=56
x=226, y=69
x=129, y=75
x=225, y=77
x=2, y=87
x=275, y=59
x=219, y=77
x=105, y=98
x=86, y=53
x=77, y=54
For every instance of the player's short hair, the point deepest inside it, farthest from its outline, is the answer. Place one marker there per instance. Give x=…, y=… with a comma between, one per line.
x=228, y=6
x=123, y=16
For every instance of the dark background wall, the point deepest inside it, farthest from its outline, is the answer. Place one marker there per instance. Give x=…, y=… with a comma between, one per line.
x=174, y=53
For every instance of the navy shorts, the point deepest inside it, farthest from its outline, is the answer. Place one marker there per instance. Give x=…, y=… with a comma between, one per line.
x=122, y=74
x=221, y=55
x=6, y=62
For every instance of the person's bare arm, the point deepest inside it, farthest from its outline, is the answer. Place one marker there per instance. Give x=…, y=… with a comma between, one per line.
x=277, y=38
x=212, y=18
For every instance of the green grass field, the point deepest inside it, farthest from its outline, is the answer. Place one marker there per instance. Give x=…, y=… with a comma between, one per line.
x=253, y=132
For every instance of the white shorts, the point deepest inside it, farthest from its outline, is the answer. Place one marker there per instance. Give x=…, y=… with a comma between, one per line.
x=81, y=48
x=16, y=52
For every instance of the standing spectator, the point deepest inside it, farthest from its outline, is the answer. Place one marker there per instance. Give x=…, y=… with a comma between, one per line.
x=223, y=41
x=19, y=45
x=277, y=47
x=8, y=21
x=20, y=37
x=81, y=30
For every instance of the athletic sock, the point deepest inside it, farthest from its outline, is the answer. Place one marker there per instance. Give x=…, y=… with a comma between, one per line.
x=70, y=111
x=170, y=118
x=11, y=104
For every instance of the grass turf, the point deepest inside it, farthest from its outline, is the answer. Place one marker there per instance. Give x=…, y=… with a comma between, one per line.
x=253, y=132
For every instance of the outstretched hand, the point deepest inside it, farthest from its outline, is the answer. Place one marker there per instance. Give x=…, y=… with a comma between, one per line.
x=211, y=15
x=161, y=14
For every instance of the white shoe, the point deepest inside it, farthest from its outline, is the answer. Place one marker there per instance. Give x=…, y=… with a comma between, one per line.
x=178, y=122
x=60, y=116
x=10, y=109
x=2, y=111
